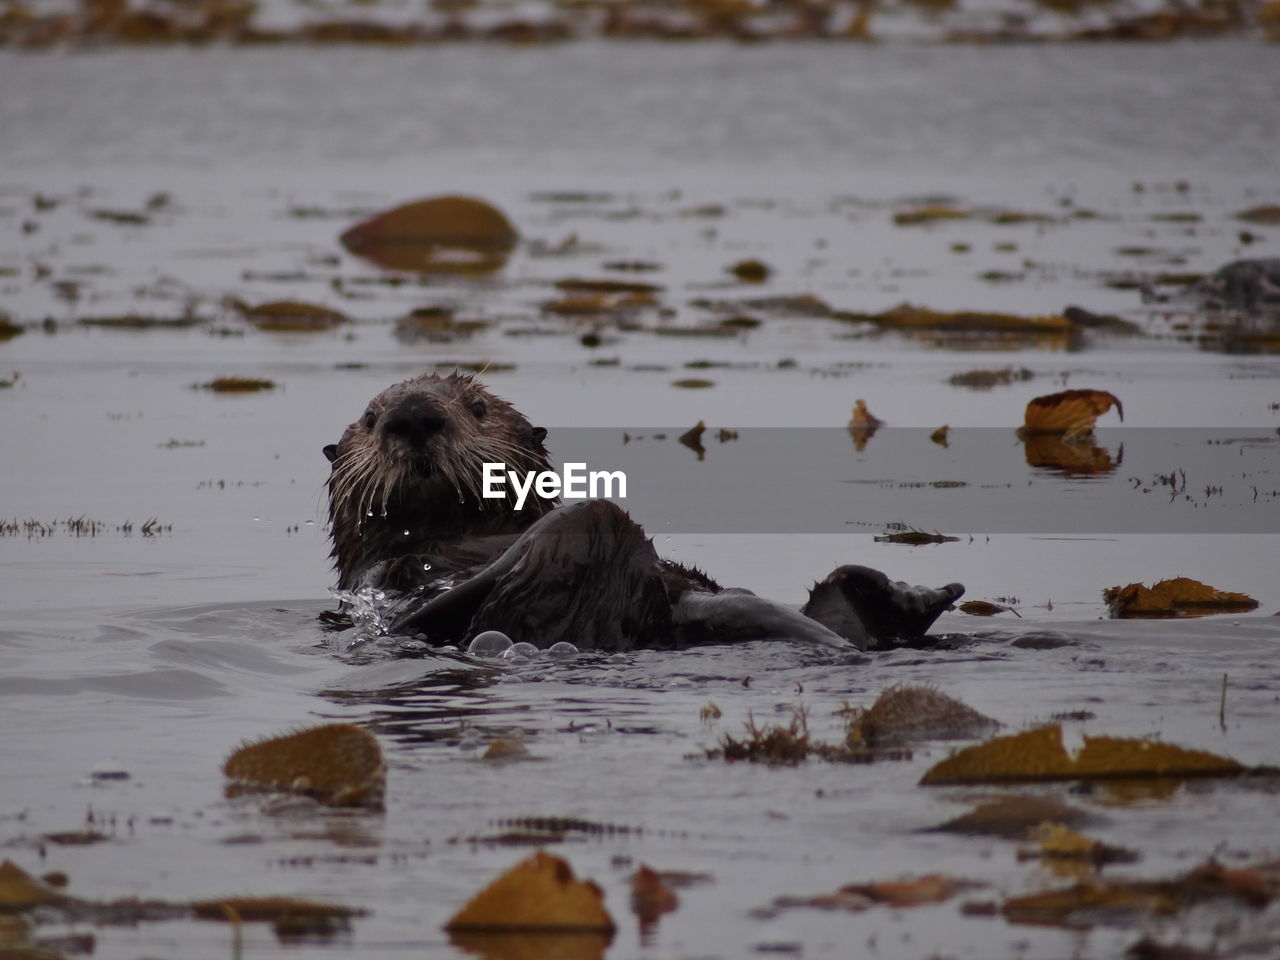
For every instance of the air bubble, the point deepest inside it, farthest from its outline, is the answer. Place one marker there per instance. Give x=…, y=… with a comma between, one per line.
x=519, y=653
x=562, y=650
x=491, y=643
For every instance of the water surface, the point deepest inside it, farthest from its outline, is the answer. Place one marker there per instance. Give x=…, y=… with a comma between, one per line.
x=159, y=651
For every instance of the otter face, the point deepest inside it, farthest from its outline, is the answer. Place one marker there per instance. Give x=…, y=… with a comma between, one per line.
x=414, y=463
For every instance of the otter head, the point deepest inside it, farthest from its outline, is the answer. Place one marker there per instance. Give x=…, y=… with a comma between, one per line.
x=407, y=476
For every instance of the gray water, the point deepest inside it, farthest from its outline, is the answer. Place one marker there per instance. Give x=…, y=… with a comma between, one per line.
x=161, y=652
x=1022, y=118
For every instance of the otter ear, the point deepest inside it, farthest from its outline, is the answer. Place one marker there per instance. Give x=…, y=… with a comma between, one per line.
x=539, y=434
x=330, y=452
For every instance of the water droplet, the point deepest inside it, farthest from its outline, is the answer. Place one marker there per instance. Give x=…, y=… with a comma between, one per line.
x=461, y=498
x=426, y=566
x=406, y=533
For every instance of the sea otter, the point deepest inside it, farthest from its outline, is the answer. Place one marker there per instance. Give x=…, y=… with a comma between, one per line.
x=407, y=517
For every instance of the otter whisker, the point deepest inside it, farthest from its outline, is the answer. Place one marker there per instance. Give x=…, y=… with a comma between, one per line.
x=355, y=476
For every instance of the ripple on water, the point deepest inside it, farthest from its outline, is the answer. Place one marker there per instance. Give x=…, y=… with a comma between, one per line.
x=222, y=655
x=162, y=684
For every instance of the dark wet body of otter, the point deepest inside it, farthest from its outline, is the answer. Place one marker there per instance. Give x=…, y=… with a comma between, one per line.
x=407, y=517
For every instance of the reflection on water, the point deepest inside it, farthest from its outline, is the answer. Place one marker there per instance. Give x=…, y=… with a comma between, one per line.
x=443, y=697
x=1071, y=458
x=527, y=946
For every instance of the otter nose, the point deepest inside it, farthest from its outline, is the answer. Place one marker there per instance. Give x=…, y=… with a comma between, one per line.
x=414, y=421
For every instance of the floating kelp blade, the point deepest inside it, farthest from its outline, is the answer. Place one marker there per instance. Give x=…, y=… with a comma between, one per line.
x=1071, y=412
x=907, y=713
x=907, y=316
x=538, y=895
x=271, y=910
x=338, y=764
x=1082, y=905
x=292, y=316
x=21, y=891
x=1180, y=596
x=1039, y=755
x=237, y=385
x=650, y=895
x=1013, y=817
x=449, y=234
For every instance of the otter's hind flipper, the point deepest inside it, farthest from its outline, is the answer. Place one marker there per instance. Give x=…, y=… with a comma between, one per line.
x=733, y=615
x=865, y=606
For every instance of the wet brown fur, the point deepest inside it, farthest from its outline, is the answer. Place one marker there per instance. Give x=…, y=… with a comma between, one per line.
x=406, y=476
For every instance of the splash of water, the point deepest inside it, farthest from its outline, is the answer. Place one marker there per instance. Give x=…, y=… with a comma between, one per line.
x=369, y=612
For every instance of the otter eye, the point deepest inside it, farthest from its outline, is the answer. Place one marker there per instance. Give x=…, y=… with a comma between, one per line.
x=478, y=409
x=369, y=419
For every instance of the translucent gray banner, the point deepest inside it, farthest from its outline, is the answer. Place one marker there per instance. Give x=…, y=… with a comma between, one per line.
x=973, y=481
